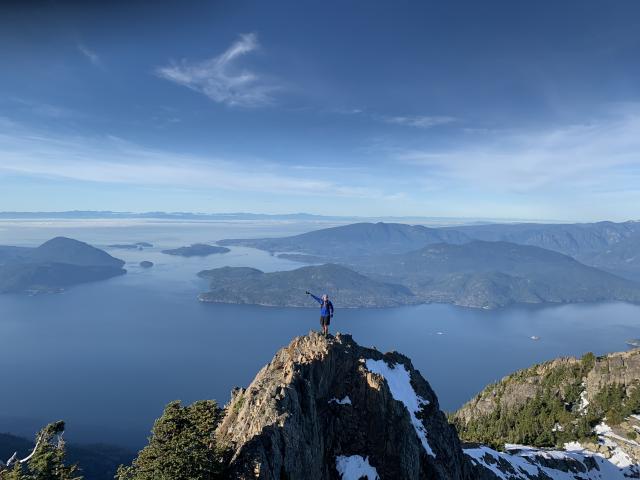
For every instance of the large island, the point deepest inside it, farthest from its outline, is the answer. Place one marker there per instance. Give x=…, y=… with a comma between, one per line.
x=462, y=271
x=54, y=265
x=287, y=289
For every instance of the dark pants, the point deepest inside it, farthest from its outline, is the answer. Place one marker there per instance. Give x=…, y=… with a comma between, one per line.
x=325, y=320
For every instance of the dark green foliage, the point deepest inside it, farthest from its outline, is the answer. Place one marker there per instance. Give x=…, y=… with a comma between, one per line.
x=16, y=473
x=97, y=462
x=552, y=417
x=613, y=403
x=181, y=446
x=47, y=462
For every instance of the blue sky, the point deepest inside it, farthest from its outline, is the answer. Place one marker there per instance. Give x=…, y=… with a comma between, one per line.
x=473, y=109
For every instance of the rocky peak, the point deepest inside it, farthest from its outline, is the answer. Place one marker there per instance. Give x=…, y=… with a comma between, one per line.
x=327, y=408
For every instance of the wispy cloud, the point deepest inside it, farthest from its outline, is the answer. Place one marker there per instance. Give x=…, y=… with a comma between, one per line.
x=221, y=79
x=40, y=108
x=117, y=161
x=420, y=121
x=90, y=55
x=598, y=156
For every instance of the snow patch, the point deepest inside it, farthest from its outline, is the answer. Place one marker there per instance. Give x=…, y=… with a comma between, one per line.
x=606, y=431
x=608, y=438
x=584, y=403
x=573, y=447
x=344, y=401
x=522, y=463
x=399, y=382
x=355, y=467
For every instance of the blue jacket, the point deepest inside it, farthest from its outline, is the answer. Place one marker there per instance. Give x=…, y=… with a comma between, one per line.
x=326, y=309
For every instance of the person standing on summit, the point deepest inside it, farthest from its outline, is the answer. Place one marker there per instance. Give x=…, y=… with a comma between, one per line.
x=326, y=311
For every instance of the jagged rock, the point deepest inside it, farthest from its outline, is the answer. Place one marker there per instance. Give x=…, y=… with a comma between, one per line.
x=329, y=409
x=286, y=426
x=618, y=368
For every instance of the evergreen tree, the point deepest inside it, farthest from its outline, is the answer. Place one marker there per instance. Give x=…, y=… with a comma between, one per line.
x=47, y=462
x=47, y=459
x=16, y=473
x=182, y=446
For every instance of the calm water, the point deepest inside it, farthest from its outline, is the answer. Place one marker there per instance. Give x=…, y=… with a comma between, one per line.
x=107, y=356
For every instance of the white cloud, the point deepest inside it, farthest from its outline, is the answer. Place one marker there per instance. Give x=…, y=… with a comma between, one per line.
x=598, y=156
x=115, y=160
x=220, y=78
x=90, y=55
x=420, y=121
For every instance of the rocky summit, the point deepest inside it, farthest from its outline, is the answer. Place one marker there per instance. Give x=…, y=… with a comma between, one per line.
x=327, y=408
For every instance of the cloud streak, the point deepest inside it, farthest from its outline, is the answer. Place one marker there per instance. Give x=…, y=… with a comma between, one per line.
x=598, y=156
x=117, y=161
x=90, y=55
x=221, y=79
x=420, y=121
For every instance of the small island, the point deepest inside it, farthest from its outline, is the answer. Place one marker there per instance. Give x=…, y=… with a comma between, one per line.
x=131, y=246
x=196, y=250
x=146, y=264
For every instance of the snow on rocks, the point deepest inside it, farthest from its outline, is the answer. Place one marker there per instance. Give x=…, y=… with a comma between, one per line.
x=343, y=401
x=399, y=382
x=584, y=403
x=355, y=467
x=528, y=463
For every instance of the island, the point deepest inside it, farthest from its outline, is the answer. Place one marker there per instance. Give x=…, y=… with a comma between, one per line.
x=56, y=264
x=476, y=274
x=146, y=264
x=131, y=246
x=196, y=250
x=244, y=285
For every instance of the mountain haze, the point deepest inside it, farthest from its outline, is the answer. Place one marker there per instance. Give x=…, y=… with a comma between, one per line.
x=354, y=240
x=492, y=274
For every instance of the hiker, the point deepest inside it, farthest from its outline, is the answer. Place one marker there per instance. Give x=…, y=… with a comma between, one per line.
x=326, y=311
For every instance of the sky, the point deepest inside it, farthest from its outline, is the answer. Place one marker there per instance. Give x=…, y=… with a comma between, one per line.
x=501, y=109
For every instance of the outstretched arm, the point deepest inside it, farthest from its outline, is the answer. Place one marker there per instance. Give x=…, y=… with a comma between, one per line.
x=317, y=299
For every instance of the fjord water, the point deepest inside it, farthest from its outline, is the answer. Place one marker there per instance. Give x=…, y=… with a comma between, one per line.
x=107, y=356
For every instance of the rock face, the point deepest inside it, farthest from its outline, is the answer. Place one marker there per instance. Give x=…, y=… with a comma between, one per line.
x=326, y=408
x=329, y=409
x=515, y=390
x=587, y=406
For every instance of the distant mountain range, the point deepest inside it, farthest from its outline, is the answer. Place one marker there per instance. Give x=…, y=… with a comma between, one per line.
x=614, y=247
x=475, y=274
x=54, y=265
x=355, y=240
x=494, y=274
x=526, y=263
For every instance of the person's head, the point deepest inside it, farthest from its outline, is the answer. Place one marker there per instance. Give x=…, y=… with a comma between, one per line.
x=325, y=298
